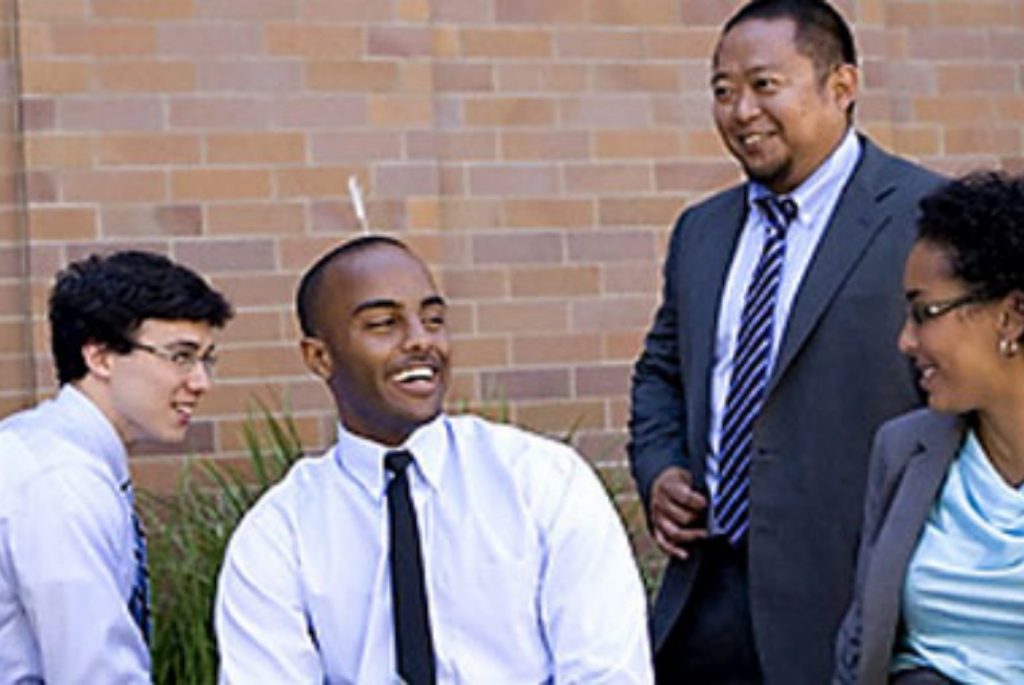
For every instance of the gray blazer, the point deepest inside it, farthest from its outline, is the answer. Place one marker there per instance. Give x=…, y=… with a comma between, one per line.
x=838, y=376
x=908, y=467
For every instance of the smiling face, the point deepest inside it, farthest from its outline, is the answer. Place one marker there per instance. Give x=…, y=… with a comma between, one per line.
x=956, y=351
x=773, y=110
x=146, y=395
x=381, y=342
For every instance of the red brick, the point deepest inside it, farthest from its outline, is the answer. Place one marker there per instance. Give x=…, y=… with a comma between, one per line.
x=117, y=150
x=404, y=41
x=480, y=352
x=319, y=111
x=939, y=44
x=265, y=218
x=556, y=144
x=637, y=278
x=43, y=151
x=313, y=40
x=652, y=143
x=981, y=139
x=521, y=384
x=611, y=313
x=499, y=43
x=455, y=145
x=620, y=111
x=377, y=75
x=604, y=380
x=250, y=76
x=639, y=210
x=231, y=148
x=517, y=248
x=355, y=146
x=456, y=77
x=549, y=213
x=606, y=246
x=103, y=39
x=347, y=11
x=565, y=348
x=113, y=186
x=608, y=178
x=147, y=220
x=209, y=184
x=50, y=10
x=976, y=78
x=217, y=112
x=702, y=176
x=560, y=419
x=551, y=78
x=513, y=179
x=540, y=11
x=211, y=256
x=519, y=317
x=111, y=114
x=404, y=179
x=261, y=290
x=560, y=281
x=55, y=77
x=402, y=111
x=229, y=39
x=463, y=11
x=38, y=114
x=470, y=213
x=686, y=43
x=248, y=10
x=62, y=223
x=133, y=9
x=146, y=76
x=952, y=110
x=510, y=111
x=600, y=44
x=626, y=12
x=314, y=181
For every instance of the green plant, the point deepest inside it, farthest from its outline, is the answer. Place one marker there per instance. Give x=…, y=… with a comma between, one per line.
x=188, y=532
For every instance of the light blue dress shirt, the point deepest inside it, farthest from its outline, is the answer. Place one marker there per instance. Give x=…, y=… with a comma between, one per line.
x=963, y=595
x=67, y=563
x=528, y=571
x=816, y=200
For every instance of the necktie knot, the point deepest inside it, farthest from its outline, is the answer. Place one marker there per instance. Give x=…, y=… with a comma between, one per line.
x=397, y=461
x=779, y=212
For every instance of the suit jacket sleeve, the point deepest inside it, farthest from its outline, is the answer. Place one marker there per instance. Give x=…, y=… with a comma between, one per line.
x=657, y=415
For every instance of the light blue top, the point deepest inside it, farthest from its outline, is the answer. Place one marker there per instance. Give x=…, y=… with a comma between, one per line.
x=963, y=596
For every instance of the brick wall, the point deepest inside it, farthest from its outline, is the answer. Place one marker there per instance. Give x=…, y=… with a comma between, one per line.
x=535, y=152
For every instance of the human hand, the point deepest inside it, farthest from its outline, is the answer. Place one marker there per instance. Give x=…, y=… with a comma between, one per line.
x=675, y=510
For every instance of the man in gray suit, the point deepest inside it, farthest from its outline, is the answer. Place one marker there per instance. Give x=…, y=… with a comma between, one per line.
x=771, y=360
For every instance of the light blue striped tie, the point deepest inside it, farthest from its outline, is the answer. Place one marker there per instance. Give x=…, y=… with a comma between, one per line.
x=750, y=369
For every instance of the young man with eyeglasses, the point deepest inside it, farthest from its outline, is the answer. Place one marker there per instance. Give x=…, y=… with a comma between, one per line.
x=133, y=347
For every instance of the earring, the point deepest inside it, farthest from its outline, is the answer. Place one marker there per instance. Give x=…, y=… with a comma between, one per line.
x=1008, y=348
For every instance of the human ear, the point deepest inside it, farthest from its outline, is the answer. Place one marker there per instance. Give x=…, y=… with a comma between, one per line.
x=98, y=359
x=1011, y=320
x=317, y=357
x=843, y=84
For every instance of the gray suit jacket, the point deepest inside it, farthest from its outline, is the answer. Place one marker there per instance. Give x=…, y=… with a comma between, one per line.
x=908, y=467
x=838, y=376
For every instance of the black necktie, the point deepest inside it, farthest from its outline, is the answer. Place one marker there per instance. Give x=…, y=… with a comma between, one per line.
x=414, y=646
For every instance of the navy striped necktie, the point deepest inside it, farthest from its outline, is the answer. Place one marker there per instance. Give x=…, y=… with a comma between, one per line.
x=138, y=602
x=414, y=645
x=750, y=370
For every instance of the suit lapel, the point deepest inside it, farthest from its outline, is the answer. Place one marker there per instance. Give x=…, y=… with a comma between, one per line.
x=704, y=280
x=854, y=223
x=915, y=493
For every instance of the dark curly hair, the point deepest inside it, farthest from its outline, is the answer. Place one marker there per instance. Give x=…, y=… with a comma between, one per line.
x=979, y=220
x=104, y=299
x=822, y=35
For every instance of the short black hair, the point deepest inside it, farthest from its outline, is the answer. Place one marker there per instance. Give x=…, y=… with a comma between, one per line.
x=105, y=299
x=822, y=35
x=309, y=286
x=979, y=220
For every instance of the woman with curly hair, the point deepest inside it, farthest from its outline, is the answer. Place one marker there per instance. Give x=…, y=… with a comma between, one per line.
x=939, y=595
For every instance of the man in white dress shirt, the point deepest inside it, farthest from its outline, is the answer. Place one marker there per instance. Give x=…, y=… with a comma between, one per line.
x=131, y=340
x=527, y=572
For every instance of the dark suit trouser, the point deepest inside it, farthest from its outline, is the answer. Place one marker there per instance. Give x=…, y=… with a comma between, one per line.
x=712, y=642
x=920, y=676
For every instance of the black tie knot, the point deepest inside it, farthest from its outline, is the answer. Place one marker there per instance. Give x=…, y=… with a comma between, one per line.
x=396, y=462
x=779, y=212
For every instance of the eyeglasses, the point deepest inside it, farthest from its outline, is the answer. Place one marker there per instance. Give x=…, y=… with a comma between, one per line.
x=923, y=312
x=186, y=359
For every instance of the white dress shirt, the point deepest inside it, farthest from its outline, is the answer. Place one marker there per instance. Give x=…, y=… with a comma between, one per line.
x=528, y=572
x=67, y=560
x=816, y=199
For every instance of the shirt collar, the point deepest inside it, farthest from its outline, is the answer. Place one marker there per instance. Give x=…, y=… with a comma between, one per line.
x=86, y=425
x=814, y=194
x=363, y=459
